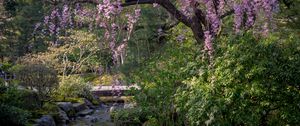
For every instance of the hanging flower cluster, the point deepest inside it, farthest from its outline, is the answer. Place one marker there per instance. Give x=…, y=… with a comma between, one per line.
x=246, y=15
x=104, y=17
x=187, y=7
x=107, y=16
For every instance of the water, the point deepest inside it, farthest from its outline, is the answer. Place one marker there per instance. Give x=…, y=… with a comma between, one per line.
x=100, y=117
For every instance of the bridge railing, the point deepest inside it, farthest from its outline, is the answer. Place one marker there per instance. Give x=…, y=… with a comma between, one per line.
x=111, y=90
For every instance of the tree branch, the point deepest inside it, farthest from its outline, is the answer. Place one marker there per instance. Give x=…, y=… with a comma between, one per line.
x=86, y=1
x=134, y=2
x=175, y=12
x=195, y=23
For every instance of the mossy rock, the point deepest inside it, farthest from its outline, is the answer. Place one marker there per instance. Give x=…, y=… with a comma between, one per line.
x=103, y=80
x=69, y=99
x=95, y=102
x=71, y=113
x=89, y=77
x=51, y=109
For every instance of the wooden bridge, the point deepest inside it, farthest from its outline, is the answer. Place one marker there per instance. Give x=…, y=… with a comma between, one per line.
x=113, y=90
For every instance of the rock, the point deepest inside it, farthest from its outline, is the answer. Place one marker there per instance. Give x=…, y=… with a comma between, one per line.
x=103, y=106
x=46, y=120
x=112, y=109
x=91, y=119
x=65, y=106
x=85, y=112
x=128, y=106
x=89, y=104
x=79, y=106
x=62, y=117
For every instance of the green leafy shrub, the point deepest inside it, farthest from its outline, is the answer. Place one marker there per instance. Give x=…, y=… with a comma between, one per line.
x=96, y=79
x=252, y=82
x=10, y=115
x=74, y=86
x=132, y=116
x=37, y=77
x=161, y=76
x=104, y=80
x=13, y=106
x=21, y=98
x=24, y=99
x=5, y=66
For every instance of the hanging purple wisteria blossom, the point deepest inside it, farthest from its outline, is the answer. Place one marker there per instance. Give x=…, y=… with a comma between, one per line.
x=247, y=14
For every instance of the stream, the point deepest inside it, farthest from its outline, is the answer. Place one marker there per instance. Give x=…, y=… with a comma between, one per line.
x=100, y=116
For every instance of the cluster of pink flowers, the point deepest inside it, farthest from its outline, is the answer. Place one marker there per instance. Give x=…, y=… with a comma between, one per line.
x=245, y=15
x=238, y=17
x=109, y=9
x=187, y=7
x=116, y=90
x=208, y=42
x=65, y=17
x=58, y=20
x=260, y=11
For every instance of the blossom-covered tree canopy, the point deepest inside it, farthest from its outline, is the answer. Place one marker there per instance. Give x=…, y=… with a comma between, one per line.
x=203, y=17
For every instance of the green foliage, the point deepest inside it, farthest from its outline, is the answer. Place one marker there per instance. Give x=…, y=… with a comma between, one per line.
x=37, y=77
x=289, y=14
x=18, y=25
x=133, y=116
x=159, y=78
x=10, y=115
x=96, y=79
x=252, y=82
x=74, y=87
x=5, y=66
x=79, y=53
x=13, y=106
x=20, y=98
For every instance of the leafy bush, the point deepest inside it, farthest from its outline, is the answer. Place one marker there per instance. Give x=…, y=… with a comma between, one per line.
x=12, y=106
x=252, y=82
x=5, y=66
x=37, y=77
x=161, y=76
x=10, y=115
x=24, y=99
x=74, y=86
x=104, y=80
x=132, y=116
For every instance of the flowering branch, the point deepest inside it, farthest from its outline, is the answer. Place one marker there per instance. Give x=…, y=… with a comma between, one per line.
x=204, y=21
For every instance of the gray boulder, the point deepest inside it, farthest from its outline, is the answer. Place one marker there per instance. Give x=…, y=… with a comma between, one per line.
x=79, y=106
x=65, y=106
x=46, y=120
x=85, y=112
x=128, y=106
x=89, y=104
x=112, y=109
x=63, y=117
x=91, y=119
